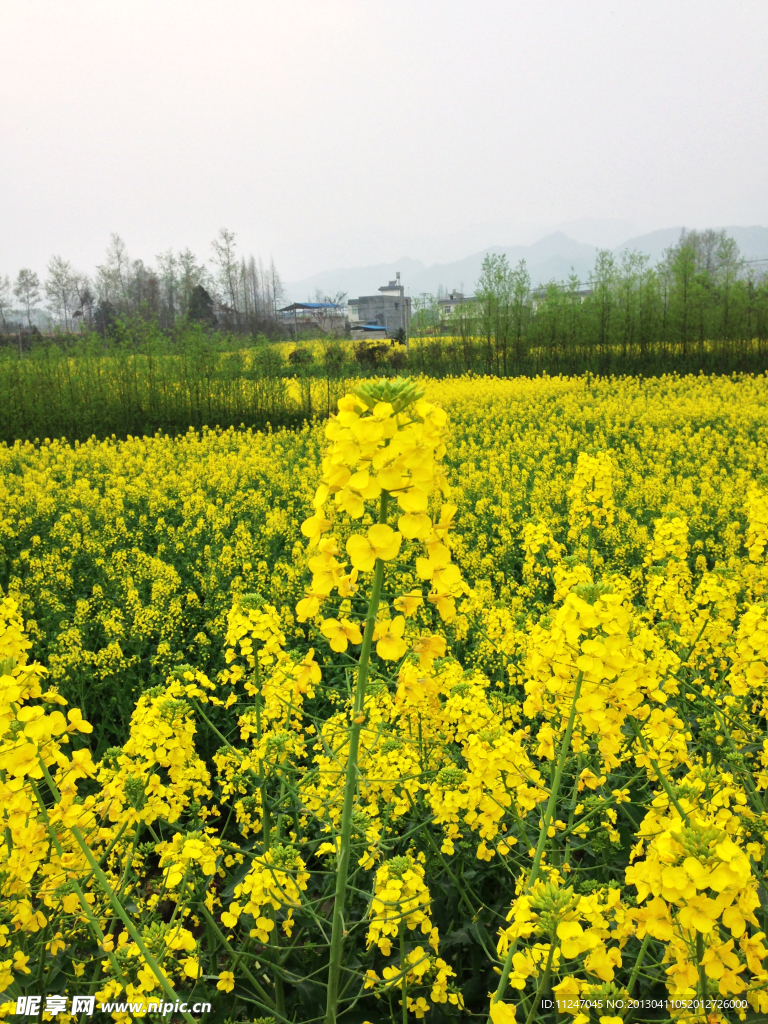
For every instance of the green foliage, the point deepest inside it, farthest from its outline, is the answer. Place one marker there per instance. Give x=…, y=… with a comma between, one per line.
x=139, y=381
x=699, y=309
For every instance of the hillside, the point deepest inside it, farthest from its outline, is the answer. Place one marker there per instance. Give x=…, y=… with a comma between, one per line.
x=555, y=256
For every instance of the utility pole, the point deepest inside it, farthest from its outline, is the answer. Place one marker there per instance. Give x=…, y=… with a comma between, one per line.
x=405, y=324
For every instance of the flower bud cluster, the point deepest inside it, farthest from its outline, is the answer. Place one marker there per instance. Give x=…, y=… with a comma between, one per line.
x=594, y=927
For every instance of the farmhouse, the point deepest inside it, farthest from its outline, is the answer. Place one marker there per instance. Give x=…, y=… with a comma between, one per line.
x=327, y=317
x=390, y=310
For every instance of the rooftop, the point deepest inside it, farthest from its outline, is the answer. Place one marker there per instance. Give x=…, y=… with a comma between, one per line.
x=309, y=305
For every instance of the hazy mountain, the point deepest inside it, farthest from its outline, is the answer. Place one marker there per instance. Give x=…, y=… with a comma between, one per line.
x=753, y=242
x=553, y=257
x=354, y=280
x=604, y=232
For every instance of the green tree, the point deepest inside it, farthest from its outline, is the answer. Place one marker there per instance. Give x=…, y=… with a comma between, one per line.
x=229, y=271
x=684, y=285
x=727, y=273
x=60, y=291
x=601, y=303
x=27, y=291
x=520, y=281
x=5, y=302
x=200, y=307
x=629, y=283
x=494, y=295
x=426, y=315
x=113, y=280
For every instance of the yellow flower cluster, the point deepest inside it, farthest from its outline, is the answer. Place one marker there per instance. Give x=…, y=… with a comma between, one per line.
x=594, y=927
x=275, y=883
x=400, y=899
x=757, y=532
x=56, y=840
x=591, y=494
x=381, y=449
x=157, y=773
x=34, y=735
x=702, y=886
x=274, y=688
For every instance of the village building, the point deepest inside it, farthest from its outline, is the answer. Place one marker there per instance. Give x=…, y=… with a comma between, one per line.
x=327, y=317
x=451, y=301
x=386, y=314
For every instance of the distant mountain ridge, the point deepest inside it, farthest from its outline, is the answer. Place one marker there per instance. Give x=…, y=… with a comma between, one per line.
x=752, y=241
x=553, y=257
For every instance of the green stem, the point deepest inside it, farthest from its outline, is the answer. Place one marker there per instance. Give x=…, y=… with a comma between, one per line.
x=552, y=802
x=350, y=785
x=548, y=814
x=128, y=862
x=85, y=905
x=404, y=969
x=572, y=813
x=109, y=892
x=638, y=964
x=630, y=1012
x=543, y=986
x=237, y=962
x=265, y=817
x=702, y=973
x=660, y=774
x=280, y=799
x=109, y=849
x=129, y=859
x=274, y=943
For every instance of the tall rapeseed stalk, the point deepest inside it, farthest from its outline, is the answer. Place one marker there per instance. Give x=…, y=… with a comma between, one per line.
x=386, y=446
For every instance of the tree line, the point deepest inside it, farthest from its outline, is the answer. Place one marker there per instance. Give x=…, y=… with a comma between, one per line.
x=702, y=307
x=702, y=300
x=238, y=294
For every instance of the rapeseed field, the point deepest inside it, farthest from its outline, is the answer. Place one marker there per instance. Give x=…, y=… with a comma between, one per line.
x=451, y=706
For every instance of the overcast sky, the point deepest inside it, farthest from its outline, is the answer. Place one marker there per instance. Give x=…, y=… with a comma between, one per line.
x=339, y=132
